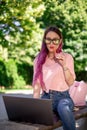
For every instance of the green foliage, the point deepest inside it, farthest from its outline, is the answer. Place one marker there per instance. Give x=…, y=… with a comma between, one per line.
x=15, y=75
x=20, y=38
x=12, y=72
x=4, y=80
x=26, y=71
x=19, y=30
x=70, y=17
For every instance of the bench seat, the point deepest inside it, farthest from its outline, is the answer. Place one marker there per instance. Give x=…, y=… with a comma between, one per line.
x=79, y=112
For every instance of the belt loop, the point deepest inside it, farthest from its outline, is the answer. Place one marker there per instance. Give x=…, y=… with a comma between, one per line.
x=51, y=94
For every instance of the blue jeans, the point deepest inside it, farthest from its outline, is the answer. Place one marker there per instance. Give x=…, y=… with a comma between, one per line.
x=63, y=105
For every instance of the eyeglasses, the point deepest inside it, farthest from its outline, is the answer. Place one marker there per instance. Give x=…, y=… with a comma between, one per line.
x=55, y=41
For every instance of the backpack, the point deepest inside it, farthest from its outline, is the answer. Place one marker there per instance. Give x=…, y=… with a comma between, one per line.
x=78, y=93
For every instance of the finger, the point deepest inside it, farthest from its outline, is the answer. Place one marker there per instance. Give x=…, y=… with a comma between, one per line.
x=59, y=58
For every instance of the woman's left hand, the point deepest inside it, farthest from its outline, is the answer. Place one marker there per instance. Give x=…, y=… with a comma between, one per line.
x=61, y=59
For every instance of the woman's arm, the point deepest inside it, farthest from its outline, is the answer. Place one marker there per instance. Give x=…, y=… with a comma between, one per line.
x=68, y=76
x=36, y=86
x=67, y=63
x=36, y=90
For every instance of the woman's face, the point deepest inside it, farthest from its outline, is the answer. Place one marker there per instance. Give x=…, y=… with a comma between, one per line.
x=52, y=41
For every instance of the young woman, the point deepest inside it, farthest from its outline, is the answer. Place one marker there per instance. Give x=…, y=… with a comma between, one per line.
x=54, y=74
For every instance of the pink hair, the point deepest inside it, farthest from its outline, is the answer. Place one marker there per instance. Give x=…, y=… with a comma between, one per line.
x=43, y=54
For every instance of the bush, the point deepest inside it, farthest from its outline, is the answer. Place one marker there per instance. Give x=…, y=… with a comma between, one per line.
x=15, y=75
x=15, y=81
x=26, y=71
x=4, y=79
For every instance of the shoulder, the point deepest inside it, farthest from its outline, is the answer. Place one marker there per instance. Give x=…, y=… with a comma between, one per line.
x=68, y=56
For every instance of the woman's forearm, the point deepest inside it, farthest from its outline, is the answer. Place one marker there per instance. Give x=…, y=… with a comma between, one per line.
x=68, y=76
x=36, y=91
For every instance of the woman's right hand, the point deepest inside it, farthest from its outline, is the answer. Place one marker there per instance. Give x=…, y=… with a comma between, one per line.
x=36, y=91
x=61, y=59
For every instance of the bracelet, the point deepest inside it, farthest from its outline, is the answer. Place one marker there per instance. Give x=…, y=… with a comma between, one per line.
x=65, y=68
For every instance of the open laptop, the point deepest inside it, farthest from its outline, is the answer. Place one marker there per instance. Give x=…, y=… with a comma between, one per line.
x=25, y=109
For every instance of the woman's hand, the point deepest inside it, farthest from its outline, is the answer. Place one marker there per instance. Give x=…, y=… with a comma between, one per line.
x=36, y=90
x=61, y=59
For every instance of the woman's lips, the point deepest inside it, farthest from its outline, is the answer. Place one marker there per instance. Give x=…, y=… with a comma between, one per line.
x=51, y=47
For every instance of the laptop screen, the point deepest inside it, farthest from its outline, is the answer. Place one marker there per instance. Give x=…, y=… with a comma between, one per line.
x=25, y=109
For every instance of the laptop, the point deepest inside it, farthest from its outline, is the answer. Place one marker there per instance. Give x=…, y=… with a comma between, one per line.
x=25, y=109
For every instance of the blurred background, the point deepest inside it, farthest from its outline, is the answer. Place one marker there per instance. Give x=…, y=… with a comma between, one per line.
x=22, y=24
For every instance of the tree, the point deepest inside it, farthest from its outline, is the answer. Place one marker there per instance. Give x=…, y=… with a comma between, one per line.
x=70, y=17
x=19, y=40
x=19, y=32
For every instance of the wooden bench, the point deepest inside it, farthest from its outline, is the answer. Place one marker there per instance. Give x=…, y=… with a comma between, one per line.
x=80, y=112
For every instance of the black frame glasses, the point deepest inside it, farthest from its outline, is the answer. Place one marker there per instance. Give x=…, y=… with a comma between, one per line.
x=54, y=41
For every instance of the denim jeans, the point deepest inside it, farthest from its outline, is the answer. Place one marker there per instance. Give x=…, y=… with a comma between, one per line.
x=63, y=105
